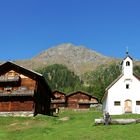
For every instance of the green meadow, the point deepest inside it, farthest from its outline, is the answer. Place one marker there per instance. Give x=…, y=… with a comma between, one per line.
x=69, y=125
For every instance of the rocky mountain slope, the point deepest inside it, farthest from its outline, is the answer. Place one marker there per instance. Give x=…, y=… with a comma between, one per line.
x=77, y=58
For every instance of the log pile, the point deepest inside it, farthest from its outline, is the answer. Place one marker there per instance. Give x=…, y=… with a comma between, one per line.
x=117, y=121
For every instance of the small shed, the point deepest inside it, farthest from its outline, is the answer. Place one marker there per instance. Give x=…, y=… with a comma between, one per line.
x=80, y=100
x=59, y=100
x=23, y=91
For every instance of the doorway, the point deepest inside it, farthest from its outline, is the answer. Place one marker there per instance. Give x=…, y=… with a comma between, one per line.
x=128, y=106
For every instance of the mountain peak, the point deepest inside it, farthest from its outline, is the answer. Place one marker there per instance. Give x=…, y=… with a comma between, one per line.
x=78, y=58
x=69, y=50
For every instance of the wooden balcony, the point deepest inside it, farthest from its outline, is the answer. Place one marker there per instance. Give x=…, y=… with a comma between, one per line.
x=58, y=101
x=17, y=93
x=9, y=79
x=86, y=102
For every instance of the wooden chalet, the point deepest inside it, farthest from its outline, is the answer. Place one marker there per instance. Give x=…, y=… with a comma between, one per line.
x=22, y=91
x=59, y=100
x=80, y=100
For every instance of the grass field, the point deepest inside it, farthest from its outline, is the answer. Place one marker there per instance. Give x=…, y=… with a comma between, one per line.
x=70, y=125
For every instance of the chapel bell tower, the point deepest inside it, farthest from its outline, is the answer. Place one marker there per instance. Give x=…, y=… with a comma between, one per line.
x=127, y=66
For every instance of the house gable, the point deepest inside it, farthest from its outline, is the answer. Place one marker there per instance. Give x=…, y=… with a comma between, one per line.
x=122, y=95
x=80, y=99
x=59, y=99
x=110, y=86
x=21, y=89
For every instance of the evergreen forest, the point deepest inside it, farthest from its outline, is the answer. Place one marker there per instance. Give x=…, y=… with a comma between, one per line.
x=59, y=77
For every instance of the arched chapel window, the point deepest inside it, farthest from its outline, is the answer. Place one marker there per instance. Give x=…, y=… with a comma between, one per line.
x=127, y=63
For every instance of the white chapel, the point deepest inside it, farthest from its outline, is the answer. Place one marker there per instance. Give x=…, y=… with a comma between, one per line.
x=123, y=95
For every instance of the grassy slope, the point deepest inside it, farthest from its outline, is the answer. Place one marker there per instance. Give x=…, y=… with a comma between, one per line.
x=80, y=126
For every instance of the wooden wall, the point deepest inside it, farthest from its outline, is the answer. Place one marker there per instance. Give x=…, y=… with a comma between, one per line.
x=74, y=99
x=84, y=106
x=25, y=82
x=59, y=101
x=59, y=95
x=94, y=100
x=28, y=82
x=21, y=102
x=77, y=100
x=16, y=104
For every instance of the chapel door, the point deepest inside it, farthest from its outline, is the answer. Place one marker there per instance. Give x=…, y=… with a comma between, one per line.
x=128, y=106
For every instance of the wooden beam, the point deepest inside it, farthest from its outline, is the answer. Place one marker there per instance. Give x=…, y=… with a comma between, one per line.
x=117, y=121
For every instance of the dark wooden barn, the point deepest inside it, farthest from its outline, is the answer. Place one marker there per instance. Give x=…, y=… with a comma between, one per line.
x=59, y=100
x=23, y=91
x=80, y=100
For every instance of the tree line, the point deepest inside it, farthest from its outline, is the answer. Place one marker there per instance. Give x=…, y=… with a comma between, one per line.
x=95, y=82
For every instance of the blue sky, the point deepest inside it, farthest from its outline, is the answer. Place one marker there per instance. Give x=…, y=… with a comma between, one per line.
x=28, y=27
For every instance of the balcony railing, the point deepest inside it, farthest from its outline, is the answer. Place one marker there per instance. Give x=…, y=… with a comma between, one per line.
x=86, y=102
x=58, y=101
x=17, y=93
x=9, y=78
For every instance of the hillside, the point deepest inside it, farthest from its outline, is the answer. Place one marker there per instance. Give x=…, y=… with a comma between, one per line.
x=77, y=58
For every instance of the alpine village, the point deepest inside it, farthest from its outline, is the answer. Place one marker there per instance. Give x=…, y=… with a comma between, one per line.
x=71, y=78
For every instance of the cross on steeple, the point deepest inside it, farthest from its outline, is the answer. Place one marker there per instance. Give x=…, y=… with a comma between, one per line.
x=127, y=52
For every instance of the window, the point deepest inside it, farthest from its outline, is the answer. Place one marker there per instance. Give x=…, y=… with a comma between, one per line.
x=127, y=86
x=137, y=102
x=117, y=103
x=8, y=89
x=127, y=63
